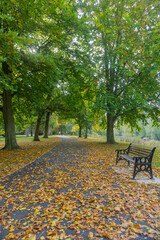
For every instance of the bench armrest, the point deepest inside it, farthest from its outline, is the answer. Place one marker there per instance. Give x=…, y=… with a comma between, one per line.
x=121, y=151
x=142, y=160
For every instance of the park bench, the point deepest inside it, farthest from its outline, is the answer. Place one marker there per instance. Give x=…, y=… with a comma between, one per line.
x=140, y=157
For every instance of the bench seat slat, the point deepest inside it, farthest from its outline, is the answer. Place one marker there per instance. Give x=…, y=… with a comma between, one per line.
x=127, y=157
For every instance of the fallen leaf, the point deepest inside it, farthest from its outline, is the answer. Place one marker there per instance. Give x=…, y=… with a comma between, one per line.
x=90, y=235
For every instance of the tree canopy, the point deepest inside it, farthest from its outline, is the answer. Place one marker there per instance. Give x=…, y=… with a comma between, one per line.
x=80, y=58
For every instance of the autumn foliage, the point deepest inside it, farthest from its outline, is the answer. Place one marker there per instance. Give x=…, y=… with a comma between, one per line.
x=73, y=192
x=11, y=161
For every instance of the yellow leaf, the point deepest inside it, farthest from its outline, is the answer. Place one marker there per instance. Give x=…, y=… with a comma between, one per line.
x=90, y=235
x=37, y=210
x=10, y=236
x=42, y=238
x=32, y=237
x=54, y=222
x=62, y=236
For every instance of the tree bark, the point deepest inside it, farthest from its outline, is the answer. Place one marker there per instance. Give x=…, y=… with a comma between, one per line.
x=110, y=129
x=31, y=132
x=80, y=131
x=27, y=132
x=36, y=134
x=9, y=123
x=86, y=133
x=46, y=125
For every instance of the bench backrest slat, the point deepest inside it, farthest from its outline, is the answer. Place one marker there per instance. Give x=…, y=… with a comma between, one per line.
x=138, y=151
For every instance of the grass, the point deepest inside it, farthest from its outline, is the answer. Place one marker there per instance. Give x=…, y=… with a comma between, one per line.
x=30, y=150
x=19, y=139
x=22, y=139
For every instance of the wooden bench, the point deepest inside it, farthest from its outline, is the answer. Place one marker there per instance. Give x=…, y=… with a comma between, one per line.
x=140, y=157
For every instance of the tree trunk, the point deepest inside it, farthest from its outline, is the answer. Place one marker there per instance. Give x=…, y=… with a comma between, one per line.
x=10, y=134
x=110, y=129
x=61, y=130
x=36, y=134
x=46, y=125
x=80, y=131
x=86, y=133
x=31, y=132
x=27, y=132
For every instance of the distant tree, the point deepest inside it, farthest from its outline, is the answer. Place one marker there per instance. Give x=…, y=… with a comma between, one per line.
x=46, y=129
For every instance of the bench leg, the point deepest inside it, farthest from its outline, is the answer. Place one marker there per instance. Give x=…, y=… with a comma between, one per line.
x=150, y=172
x=138, y=168
x=117, y=159
x=134, y=173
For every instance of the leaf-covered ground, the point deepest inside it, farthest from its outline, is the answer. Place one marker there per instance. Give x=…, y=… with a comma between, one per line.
x=11, y=161
x=73, y=192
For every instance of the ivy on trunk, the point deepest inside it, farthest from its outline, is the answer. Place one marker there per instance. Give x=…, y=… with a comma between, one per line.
x=10, y=134
x=9, y=123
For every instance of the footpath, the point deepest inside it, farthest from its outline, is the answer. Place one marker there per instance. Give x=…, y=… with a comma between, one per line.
x=72, y=193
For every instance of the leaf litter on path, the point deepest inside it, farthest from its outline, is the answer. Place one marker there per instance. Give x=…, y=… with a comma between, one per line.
x=72, y=192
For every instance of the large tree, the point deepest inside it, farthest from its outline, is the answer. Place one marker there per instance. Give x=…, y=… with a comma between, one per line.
x=124, y=47
x=29, y=29
x=18, y=23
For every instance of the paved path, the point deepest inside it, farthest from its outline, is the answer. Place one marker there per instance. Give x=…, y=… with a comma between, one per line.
x=21, y=197
x=59, y=196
